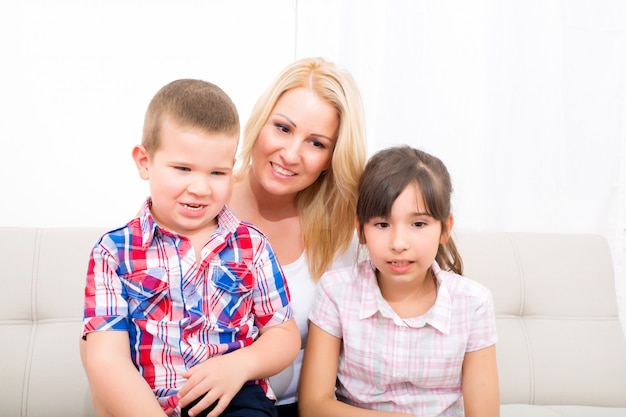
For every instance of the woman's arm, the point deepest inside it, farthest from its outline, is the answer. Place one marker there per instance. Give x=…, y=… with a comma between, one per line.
x=481, y=394
x=117, y=388
x=316, y=395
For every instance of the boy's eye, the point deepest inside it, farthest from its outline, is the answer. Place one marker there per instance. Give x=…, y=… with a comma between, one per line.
x=218, y=173
x=185, y=169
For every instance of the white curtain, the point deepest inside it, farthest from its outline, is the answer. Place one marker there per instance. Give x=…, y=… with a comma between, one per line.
x=524, y=101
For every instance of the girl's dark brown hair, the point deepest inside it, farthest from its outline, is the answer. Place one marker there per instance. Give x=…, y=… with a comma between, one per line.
x=389, y=172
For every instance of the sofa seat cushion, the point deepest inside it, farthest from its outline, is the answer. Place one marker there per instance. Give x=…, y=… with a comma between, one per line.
x=526, y=410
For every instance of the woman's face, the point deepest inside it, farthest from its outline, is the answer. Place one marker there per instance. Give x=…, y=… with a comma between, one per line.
x=296, y=143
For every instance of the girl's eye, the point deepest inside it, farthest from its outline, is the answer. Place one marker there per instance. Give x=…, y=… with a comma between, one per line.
x=419, y=224
x=184, y=169
x=218, y=173
x=381, y=225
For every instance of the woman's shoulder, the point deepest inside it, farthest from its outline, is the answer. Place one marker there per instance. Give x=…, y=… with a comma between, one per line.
x=350, y=256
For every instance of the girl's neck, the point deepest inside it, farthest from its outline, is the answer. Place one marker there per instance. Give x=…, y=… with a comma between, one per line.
x=412, y=299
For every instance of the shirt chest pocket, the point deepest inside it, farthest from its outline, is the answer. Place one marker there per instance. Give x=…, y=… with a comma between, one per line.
x=147, y=293
x=438, y=372
x=231, y=296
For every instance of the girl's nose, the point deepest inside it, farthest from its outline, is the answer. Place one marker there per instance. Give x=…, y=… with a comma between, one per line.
x=399, y=241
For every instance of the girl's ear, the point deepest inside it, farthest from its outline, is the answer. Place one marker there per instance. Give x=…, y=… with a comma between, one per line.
x=140, y=156
x=358, y=232
x=446, y=230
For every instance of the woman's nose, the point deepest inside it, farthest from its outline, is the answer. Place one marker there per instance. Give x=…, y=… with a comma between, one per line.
x=290, y=152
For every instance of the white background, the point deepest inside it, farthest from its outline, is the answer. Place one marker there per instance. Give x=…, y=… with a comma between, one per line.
x=523, y=100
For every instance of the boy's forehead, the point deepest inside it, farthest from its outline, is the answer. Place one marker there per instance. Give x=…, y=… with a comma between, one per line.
x=196, y=143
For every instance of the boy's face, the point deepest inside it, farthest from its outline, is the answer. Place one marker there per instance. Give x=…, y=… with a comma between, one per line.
x=190, y=177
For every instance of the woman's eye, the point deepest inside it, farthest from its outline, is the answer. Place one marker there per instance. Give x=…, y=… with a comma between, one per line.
x=318, y=144
x=283, y=128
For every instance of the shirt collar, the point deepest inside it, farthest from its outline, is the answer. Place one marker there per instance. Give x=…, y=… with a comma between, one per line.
x=227, y=223
x=440, y=314
x=371, y=298
x=372, y=301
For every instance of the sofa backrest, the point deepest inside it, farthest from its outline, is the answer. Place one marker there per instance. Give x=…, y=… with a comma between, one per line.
x=43, y=280
x=560, y=338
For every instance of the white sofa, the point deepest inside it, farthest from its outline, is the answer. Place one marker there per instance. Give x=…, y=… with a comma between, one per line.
x=561, y=351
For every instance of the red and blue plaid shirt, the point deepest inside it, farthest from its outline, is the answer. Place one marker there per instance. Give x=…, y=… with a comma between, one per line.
x=179, y=311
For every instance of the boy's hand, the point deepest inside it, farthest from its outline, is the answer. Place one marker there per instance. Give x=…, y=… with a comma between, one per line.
x=220, y=378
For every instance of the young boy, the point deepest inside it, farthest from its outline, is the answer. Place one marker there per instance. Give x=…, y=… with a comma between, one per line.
x=175, y=299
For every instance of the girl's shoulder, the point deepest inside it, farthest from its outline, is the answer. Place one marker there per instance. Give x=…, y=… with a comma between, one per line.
x=460, y=285
x=353, y=277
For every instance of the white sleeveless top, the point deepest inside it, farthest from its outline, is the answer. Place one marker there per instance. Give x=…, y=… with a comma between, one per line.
x=302, y=291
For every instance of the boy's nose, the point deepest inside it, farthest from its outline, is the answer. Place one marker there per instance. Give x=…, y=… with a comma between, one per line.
x=199, y=186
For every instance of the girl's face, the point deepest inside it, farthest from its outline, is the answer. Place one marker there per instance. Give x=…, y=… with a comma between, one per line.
x=296, y=143
x=403, y=246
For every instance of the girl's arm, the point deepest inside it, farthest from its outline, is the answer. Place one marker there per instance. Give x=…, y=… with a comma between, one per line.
x=117, y=388
x=481, y=393
x=316, y=395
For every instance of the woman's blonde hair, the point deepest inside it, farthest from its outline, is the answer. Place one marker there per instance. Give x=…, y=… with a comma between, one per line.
x=327, y=208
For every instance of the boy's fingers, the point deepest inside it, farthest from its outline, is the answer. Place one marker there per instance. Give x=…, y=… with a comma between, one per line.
x=201, y=406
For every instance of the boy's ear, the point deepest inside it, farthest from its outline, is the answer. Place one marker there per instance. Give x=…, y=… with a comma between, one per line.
x=447, y=230
x=140, y=156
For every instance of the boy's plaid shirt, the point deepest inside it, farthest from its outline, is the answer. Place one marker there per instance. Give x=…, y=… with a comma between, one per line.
x=179, y=312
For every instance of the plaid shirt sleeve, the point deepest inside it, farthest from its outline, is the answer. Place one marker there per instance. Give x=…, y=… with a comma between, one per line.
x=105, y=306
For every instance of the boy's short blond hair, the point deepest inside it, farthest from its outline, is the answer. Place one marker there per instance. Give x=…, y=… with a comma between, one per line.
x=188, y=102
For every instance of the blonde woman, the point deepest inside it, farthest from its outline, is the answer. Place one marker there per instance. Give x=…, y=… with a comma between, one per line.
x=302, y=154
